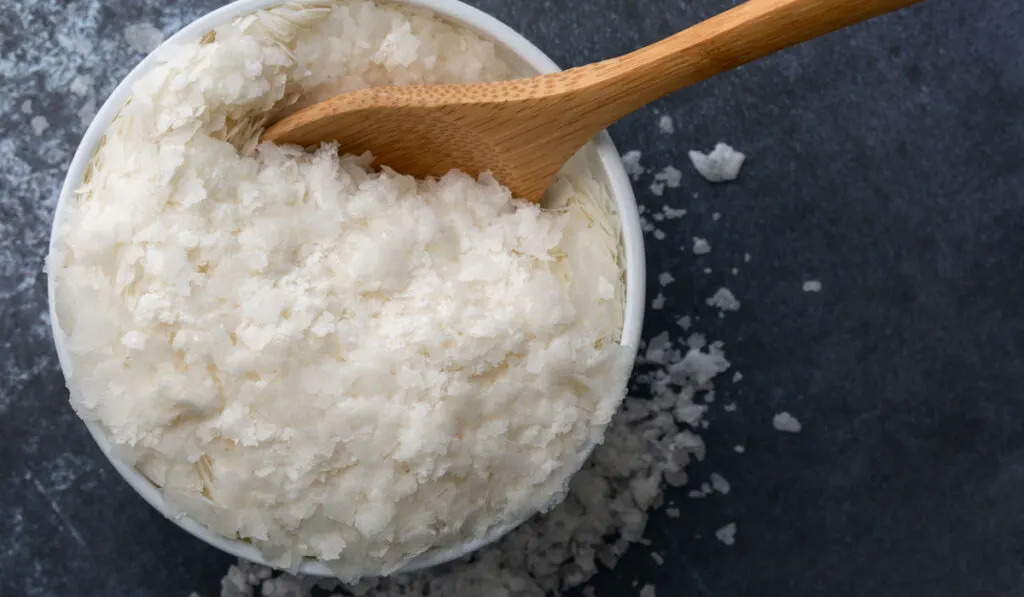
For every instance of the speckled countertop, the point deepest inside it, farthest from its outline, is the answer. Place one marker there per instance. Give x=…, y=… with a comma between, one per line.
x=885, y=162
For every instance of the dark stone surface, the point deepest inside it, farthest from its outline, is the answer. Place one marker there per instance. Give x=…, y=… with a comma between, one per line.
x=886, y=161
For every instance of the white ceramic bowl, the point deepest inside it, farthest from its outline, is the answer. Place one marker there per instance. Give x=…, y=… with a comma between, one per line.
x=606, y=164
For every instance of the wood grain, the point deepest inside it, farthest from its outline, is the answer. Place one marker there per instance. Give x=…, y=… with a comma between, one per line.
x=524, y=131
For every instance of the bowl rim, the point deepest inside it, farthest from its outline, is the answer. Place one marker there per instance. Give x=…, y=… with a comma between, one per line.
x=462, y=15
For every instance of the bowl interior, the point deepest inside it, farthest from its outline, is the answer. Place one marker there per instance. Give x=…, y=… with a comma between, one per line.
x=603, y=160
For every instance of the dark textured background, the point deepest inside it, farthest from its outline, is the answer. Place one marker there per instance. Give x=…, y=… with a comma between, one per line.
x=884, y=161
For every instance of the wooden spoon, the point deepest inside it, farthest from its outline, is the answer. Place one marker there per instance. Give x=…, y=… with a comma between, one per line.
x=523, y=131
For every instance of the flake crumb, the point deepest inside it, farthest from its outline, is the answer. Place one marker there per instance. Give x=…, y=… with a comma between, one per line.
x=665, y=278
x=672, y=512
x=659, y=234
x=670, y=176
x=716, y=216
x=26, y=107
x=631, y=161
x=658, y=217
x=658, y=303
x=746, y=258
x=658, y=559
x=735, y=271
x=812, y=286
x=701, y=246
x=739, y=448
x=724, y=300
x=80, y=85
x=648, y=591
x=672, y=213
x=737, y=377
x=684, y=322
x=727, y=534
x=719, y=484
x=39, y=125
x=143, y=37
x=729, y=407
x=723, y=164
x=786, y=422
x=666, y=125
x=658, y=188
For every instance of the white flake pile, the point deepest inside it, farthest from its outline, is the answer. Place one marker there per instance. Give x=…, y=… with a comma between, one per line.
x=648, y=446
x=330, y=361
x=721, y=165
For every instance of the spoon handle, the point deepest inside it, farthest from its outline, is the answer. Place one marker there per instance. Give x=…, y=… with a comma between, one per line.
x=609, y=90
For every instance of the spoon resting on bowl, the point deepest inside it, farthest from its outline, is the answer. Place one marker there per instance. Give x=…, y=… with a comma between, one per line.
x=523, y=131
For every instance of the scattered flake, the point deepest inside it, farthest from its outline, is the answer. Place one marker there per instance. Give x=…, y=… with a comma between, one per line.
x=729, y=407
x=735, y=271
x=81, y=85
x=672, y=213
x=648, y=591
x=39, y=125
x=658, y=217
x=701, y=246
x=746, y=258
x=658, y=188
x=737, y=377
x=719, y=484
x=721, y=165
x=707, y=270
x=670, y=176
x=657, y=557
x=812, y=286
x=684, y=322
x=786, y=422
x=690, y=413
x=588, y=591
x=658, y=303
x=724, y=300
x=26, y=107
x=87, y=112
x=739, y=448
x=672, y=512
x=631, y=161
x=727, y=534
x=143, y=37
x=666, y=125
x=716, y=216
x=665, y=278
x=659, y=234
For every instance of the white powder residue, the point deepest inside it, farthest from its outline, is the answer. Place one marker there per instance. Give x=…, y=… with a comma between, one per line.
x=786, y=422
x=672, y=213
x=666, y=125
x=293, y=345
x=631, y=162
x=670, y=176
x=812, y=286
x=87, y=112
x=701, y=246
x=143, y=37
x=719, y=484
x=81, y=85
x=39, y=125
x=723, y=164
x=723, y=299
x=727, y=534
